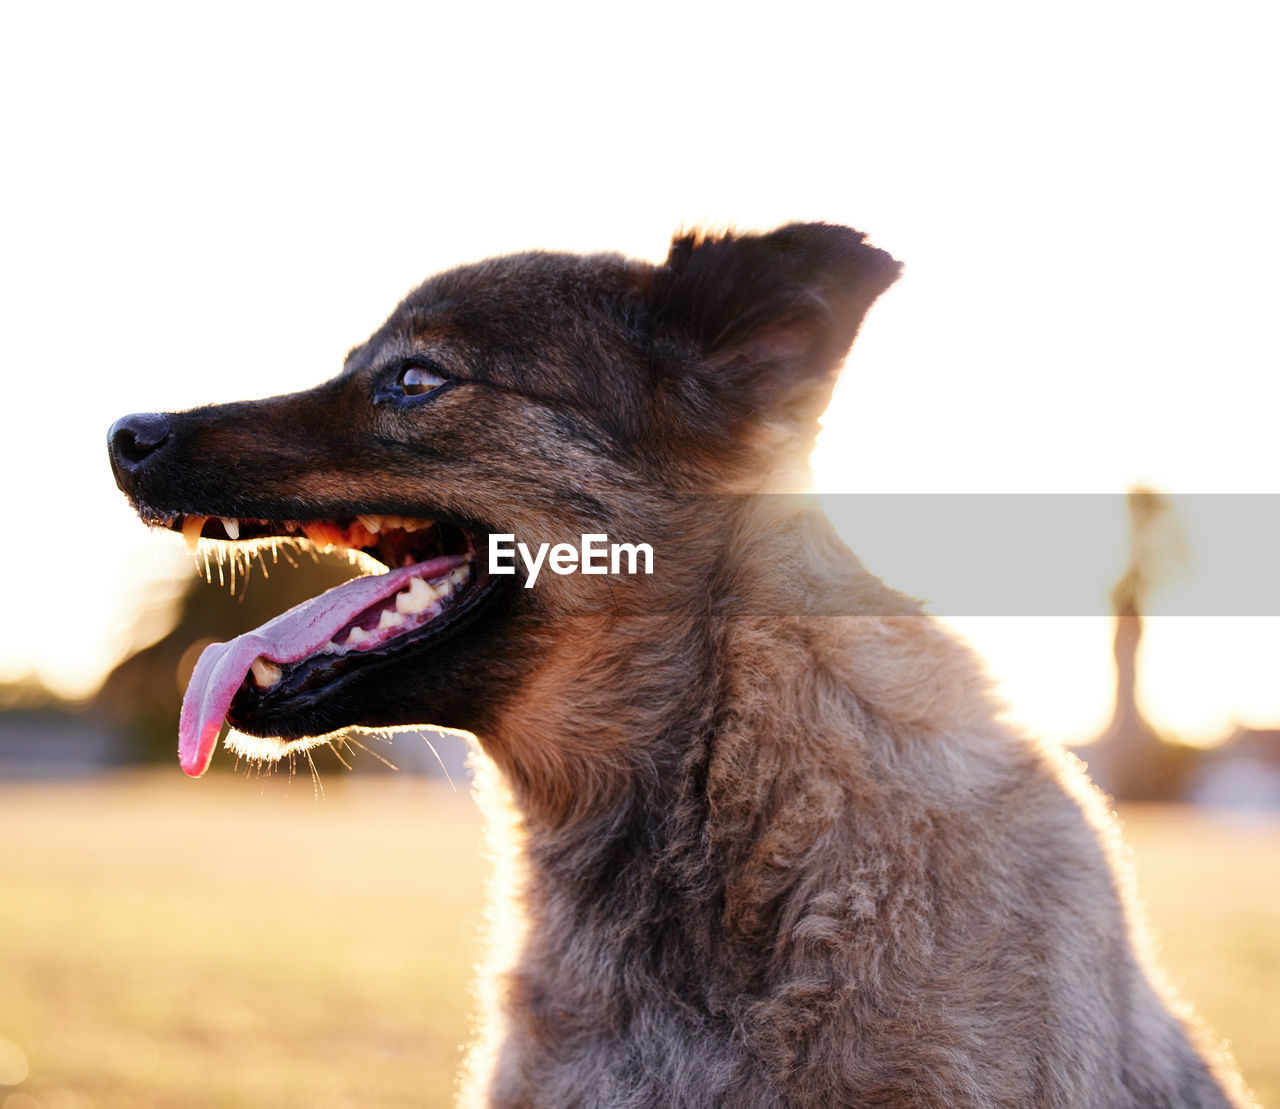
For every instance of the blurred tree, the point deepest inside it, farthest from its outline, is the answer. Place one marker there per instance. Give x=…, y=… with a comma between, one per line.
x=1130, y=760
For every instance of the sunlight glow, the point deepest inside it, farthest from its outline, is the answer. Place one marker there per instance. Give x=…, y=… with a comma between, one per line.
x=240, y=557
x=1086, y=303
x=270, y=749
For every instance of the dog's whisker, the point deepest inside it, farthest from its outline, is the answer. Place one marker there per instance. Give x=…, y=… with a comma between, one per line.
x=334, y=745
x=349, y=738
x=316, y=785
x=432, y=748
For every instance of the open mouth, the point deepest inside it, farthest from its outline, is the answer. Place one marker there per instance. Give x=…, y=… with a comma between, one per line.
x=427, y=582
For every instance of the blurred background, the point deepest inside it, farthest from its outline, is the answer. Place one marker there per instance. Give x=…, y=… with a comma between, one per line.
x=203, y=205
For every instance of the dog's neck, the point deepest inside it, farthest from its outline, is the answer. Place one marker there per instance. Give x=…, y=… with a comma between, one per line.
x=677, y=703
x=626, y=706
x=655, y=800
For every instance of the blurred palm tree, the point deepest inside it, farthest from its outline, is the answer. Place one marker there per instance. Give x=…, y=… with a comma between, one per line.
x=1131, y=760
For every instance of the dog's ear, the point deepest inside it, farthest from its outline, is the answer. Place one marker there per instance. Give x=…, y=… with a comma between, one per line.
x=773, y=315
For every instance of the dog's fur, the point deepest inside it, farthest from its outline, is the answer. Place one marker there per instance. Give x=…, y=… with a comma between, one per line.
x=775, y=846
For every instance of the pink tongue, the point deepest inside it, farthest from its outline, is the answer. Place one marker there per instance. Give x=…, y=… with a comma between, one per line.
x=290, y=637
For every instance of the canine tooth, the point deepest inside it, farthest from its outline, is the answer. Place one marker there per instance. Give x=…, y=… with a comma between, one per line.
x=418, y=596
x=324, y=535
x=389, y=619
x=191, y=529
x=231, y=527
x=357, y=636
x=265, y=672
x=371, y=523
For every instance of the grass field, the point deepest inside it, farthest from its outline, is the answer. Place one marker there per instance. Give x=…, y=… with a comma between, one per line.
x=167, y=943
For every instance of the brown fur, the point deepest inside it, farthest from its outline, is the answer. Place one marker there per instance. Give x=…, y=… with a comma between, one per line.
x=762, y=838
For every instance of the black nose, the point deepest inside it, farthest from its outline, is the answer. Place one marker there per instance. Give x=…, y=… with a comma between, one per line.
x=132, y=440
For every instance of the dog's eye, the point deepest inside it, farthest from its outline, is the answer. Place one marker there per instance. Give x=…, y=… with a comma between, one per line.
x=414, y=381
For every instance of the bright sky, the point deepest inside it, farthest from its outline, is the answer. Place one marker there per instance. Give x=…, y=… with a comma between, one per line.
x=205, y=204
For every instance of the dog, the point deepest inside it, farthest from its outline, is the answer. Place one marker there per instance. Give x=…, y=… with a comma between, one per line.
x=767, y=840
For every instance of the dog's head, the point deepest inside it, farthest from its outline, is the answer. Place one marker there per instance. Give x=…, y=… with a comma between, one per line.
x=540, y=396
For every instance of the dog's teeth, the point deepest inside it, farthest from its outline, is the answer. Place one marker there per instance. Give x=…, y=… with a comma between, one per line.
x=191, y=529
x=371, y=523
x=265, y=672
x=356, y=636
x=401, y=523
x=417, y=597
x=357, y=536
x=389, y=619
x=459, y=574
x=324, y=535
x=231, y=527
